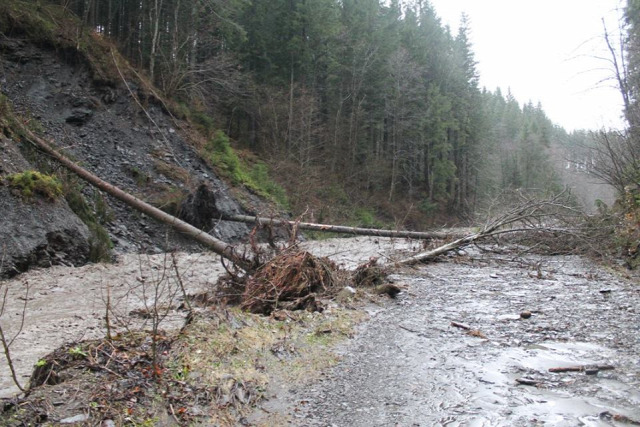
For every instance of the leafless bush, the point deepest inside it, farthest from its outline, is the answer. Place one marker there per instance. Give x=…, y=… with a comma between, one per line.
x=616, y=159
x=151, y=299
x=553, y=225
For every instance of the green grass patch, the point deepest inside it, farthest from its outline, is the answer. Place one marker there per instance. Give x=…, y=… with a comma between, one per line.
x=255, y=176
x=32, y=183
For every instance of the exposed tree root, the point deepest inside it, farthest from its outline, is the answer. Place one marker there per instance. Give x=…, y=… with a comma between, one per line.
x=289, y=281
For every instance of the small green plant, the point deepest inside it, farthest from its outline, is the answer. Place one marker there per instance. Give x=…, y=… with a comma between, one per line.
x=428, y=207
x=264, y=184
x=40, y=363
x=31, y=183
x=203, y=123
x=366, y=218
x=140, y=176
x=222, y=156
x=77, y=352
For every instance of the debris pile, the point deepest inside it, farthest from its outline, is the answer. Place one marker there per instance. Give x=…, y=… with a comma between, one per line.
x=289, y=281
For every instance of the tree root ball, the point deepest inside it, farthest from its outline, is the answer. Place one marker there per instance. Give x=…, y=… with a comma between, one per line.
x=369, y=274
x=289, y=281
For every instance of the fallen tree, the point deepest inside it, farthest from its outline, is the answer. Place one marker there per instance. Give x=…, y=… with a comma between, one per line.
x=529, y=217
x=223, y=249
x=341, y=228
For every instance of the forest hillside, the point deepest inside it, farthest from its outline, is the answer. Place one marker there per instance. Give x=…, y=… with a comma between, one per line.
x=364, y=113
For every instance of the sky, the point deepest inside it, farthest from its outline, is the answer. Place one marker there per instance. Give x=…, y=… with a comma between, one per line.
x=546, y=51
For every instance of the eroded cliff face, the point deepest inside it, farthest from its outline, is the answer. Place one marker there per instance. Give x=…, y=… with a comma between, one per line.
x=35, y=231
x=116, y=132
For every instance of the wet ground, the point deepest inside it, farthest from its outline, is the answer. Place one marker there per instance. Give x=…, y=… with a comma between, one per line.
x=409, y=365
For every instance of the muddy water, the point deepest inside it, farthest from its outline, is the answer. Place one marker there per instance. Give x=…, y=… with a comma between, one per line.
x=409, y=366
x=66, y=304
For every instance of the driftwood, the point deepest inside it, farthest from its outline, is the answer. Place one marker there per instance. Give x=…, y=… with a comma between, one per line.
x=218, y=246
x=583, y=368
x=461, y=326
x=341, y=228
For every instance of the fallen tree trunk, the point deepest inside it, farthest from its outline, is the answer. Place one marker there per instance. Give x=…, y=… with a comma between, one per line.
x=530, y=215
x=218, y=246
x=340, y=228
x=428, y=255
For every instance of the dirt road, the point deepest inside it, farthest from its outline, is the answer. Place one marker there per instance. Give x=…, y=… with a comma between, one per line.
x=410, y=367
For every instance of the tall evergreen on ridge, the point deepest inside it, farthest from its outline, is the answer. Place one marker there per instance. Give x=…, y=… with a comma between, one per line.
x=380, y=96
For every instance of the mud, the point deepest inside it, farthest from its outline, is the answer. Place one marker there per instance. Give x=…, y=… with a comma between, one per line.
x=410, y=367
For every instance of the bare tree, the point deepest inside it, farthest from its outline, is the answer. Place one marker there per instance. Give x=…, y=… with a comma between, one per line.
x=4, y=338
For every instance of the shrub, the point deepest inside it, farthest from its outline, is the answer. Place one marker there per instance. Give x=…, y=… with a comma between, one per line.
x=264, y=184
x=365, y=217
x=203, y=123
x=221, y=155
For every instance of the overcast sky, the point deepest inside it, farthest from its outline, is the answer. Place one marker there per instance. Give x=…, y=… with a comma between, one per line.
x=544, y=51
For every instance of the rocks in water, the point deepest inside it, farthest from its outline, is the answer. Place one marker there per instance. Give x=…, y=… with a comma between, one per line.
x=388, y=289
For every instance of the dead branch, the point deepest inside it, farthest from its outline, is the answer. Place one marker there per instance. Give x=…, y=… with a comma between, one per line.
x=461, y=326
x=531, y=215
x=6, y=342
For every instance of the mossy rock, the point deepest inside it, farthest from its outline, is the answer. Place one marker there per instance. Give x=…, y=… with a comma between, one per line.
x=32, y=183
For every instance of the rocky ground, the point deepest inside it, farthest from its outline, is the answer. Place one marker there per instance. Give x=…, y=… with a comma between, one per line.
x=139, y=148
x=411, y=366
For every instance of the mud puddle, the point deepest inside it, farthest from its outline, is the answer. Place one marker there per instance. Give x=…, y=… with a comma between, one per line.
x=410, y=367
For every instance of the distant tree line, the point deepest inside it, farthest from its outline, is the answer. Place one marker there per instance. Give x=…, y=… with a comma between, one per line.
x=379, y=94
